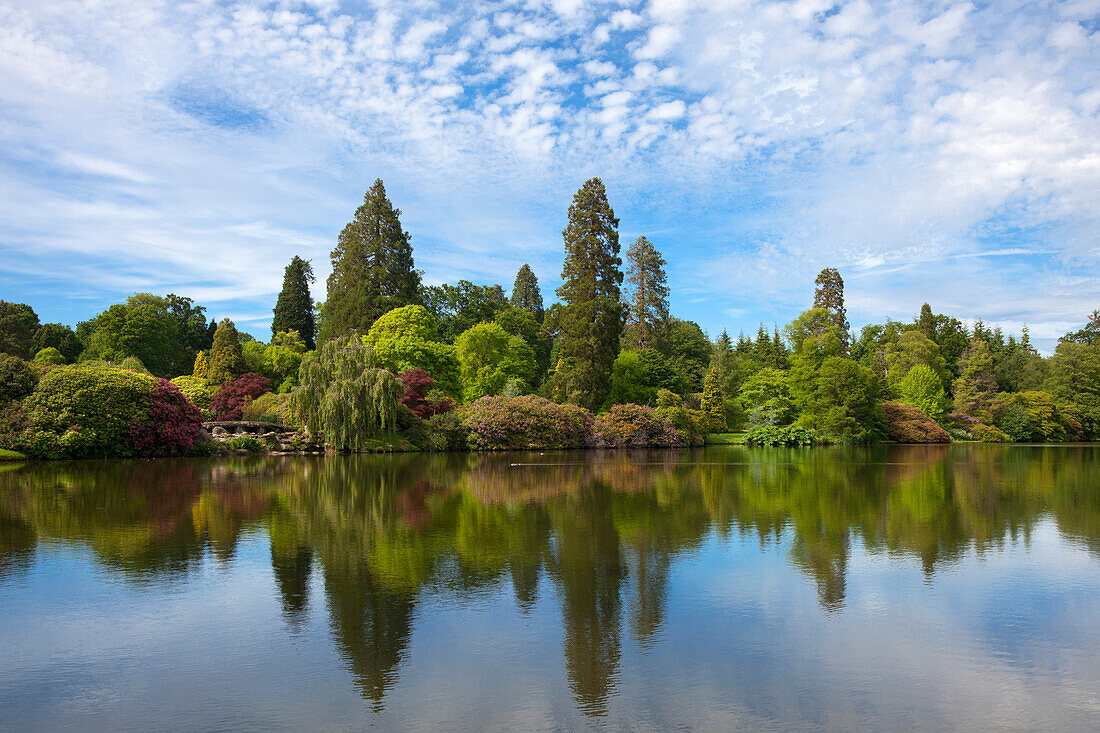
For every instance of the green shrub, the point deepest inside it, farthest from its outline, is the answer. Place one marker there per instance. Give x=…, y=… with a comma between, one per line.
x=988, y=434
x=249, y=443
x=1016, y=423
x=781, y=435
x=17, y=379
x=49, y=356
x=446, y=431
x=194, y=389
x=271, y=407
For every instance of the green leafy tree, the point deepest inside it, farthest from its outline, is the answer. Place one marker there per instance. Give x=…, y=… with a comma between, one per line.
x=200, y=366
x=521, y=323
x=976, y=385
x=49, y=356
x=294, y=308
x=713, y=403
x=910, y=349
x=926, y=322
x=589, y=320
x=60, y=337
x=226, y=359
x=489, y=358
x=829, y=295
x=1089, y=335
x=18, y=324
x=842, y=402
x=661, y=373
x=463, y=305
x=344, y=396
x=407, y=338
x=922, y=388
x=526, y=294
x=165, y=333
x=647, y=319
x=689, y=352
x=372, y=268
x=630, y=381
x=766, y=398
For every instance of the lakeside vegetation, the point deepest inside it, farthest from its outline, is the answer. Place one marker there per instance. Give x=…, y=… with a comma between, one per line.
x=386, y=361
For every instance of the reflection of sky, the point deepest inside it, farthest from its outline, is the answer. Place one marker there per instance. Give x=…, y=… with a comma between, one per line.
x=1006, y=639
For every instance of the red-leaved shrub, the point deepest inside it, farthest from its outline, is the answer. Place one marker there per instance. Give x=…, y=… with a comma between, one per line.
x=418, y=383
x=228, y=403
x=906, y=424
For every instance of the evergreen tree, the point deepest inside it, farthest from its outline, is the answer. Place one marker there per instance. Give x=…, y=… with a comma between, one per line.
x=201, y=366
x=526, y=294
x=294, y=309
x=713, y=403
x=829, y=294
x=927, y=322
x=725, y=362
x=589, y=320
x=647, y=310
x=372, y=268
x=226, y=360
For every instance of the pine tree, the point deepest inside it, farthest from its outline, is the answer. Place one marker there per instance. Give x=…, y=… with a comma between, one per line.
x=372, y=268
x=713, y=403
x=589, y=319
x=526, y=294
x=724, y=361
x=294, y=309
x=927, y=322
x=201, y=366
x=226, y=360
x=647, y=312
x=829, y=294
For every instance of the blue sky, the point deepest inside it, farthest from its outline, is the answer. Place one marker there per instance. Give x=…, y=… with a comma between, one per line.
x=939, y=151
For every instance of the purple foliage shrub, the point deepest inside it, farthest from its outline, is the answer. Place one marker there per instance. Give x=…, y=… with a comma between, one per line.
x=229, y=402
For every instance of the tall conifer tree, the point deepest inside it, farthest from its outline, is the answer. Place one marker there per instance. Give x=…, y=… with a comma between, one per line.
x=372, y=268
x=589, y=320
x=294, y=309
x=647, y=313
x=226, y=360
x=526, y=294
x=829, y=294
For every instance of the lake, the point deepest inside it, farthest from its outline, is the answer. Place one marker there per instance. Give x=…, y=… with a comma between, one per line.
x=893, y=587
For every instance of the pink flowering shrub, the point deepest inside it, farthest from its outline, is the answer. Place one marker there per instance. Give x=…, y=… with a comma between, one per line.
x=169, y=427
x=636, y=426
x=508, y=423
x=907, y=424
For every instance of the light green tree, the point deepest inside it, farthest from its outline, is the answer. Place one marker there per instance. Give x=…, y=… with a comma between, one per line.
x=923, y=389
x=489, y=357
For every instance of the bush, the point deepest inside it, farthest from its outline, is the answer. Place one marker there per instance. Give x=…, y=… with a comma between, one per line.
x=989, y=434
x=786, y=435
x=195, y=390
x=49, y=356
x=133, y=364
x=636, y=426
x=1015, y=423
x=77, y=412
x=271, y=407
x=418, y=384
x=230, y=400
x=446, y=431
x=907, y=424
x=17, y=379
x=505, y=423
x=249, y=443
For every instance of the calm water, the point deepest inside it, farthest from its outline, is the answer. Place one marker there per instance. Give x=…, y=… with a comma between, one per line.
x=929, y=588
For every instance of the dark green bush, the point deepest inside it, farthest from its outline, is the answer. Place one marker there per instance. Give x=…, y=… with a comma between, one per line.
x=17, y=379
x=1016, y=423
x=781, y=435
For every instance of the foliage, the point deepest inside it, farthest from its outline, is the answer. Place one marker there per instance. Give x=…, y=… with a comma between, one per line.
x=246, y=443
x=713, y=404
x=907, y=424
x=781, y=435
x=278, y=361
x=526, y=295
x=230, y=400
x=521, y=323
x=507, y=423
x=976, y=385
x=766, y=398
x=459, y=307
x=49, y=356
x=647, y=317
x=689, y=352
x=134, y=364
x=840, y=401
x=660, y=372
x=226, y=358
x=1014, y=421
x=635, y=426
x=989, y=434
x=372, y=268
x=165, y=333
x=17, y=379
x=1041, y=418
x=344, y=396
x=195, y=390
x=829, y=296
x=725, y=361
x=273, y=407
x=18, y=324
x=1088, y=335
x=922, y=389
x=446, y=431
x=294, y=308
x=687, y=423
x=489, y=357
x=417, y=385
x=200, y=367
x=78, y=412
x=910, y=349
x=405, y=338
x=60, y=337
x=629, y=380
x=589, y=318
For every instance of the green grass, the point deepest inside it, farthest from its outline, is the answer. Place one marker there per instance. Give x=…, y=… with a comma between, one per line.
x=725, y=438
x=10, y=455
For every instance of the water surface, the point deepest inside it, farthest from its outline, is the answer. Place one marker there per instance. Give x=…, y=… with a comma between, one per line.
x=926, y=588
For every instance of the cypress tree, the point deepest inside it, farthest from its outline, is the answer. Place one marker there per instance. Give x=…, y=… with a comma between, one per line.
x=226, y=360
x=526, y=294
x=713, y=403
x=200, y=368
x=294, y=309
x=590, y=316
x=647, y=317
x=372, y=268
x=829, y=294
x=927, y=322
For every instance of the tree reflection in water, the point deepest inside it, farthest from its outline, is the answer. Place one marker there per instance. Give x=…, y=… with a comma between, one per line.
x=604, y=530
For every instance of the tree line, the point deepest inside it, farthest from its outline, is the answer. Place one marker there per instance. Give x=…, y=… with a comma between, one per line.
x=608, y=339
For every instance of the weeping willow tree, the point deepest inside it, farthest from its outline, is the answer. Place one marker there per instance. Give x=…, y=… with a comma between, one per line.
x=344, y=396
